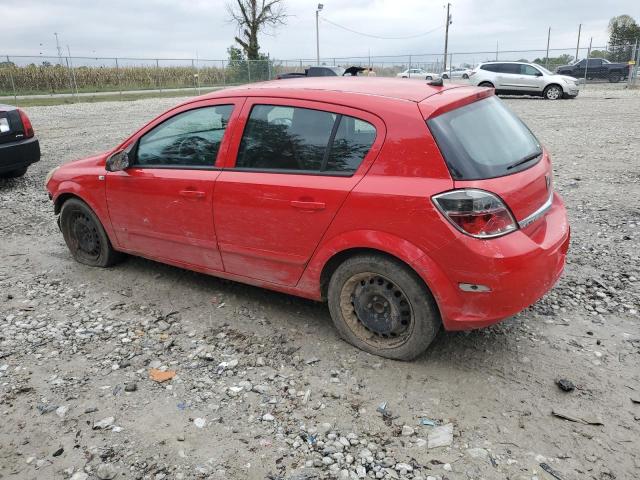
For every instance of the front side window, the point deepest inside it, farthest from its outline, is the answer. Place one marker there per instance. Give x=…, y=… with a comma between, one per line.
x=189, y=139
x=529, y=70
x=290, y=139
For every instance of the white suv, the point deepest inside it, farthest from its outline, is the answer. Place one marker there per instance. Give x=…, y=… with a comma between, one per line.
x=517, y=78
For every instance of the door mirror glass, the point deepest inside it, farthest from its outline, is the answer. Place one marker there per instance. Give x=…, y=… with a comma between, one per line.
x=118, y=161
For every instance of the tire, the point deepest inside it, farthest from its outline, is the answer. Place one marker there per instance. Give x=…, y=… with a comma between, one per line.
x=365, y=288
x=486, y=84
x=465, y=76
x=429, y=77
x=553, y=92
x=14, y=173
x=93, y=248
x=445, y=76
x=614, y=77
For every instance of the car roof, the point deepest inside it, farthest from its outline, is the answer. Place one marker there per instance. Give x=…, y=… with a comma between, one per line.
x=6, y=108
x=392, y=88
x=508, y=61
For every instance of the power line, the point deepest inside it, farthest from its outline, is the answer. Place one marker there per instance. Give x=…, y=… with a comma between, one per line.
x=324, y=19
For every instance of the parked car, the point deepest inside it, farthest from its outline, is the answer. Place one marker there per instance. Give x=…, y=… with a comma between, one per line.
x=19, y=146
x=457, y=73
x=418, y=73
x=517, y=78
x=406, y=206
x=596, y=68
x=315, y=72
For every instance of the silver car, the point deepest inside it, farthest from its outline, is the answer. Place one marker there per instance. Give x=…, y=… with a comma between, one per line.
x=517, y=78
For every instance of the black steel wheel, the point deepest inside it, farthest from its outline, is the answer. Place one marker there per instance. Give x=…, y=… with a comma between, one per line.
x=381, y=306
x=84, y=235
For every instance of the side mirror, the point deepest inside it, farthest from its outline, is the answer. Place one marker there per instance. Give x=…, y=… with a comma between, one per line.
x=117, y=162
x=538, y=74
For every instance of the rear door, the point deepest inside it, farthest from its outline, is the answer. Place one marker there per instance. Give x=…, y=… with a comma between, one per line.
x=509, y=77
x=294, y=166
x=487, y=146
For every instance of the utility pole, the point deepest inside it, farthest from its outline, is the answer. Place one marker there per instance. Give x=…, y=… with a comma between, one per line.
x=446, y=38
x=578, y=46
x=546, y=63
x=59, y=48
x=320, y=7
x=586, y=65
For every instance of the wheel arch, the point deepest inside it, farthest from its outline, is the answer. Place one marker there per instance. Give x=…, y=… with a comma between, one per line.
x=553, y=84
x=330, y=255
x=68, y=190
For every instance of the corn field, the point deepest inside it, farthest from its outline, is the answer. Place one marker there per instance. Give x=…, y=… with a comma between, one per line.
x=49, y=78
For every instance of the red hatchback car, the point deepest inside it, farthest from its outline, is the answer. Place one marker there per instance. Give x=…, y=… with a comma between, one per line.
x=405, y=206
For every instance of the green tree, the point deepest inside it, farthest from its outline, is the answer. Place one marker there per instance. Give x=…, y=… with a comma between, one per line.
x=599, y=54
x=253, y=17
x=554, y=62
x=624, y=32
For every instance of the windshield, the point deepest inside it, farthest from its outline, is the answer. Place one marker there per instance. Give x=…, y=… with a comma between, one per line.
x=484, y=139
x=544, y=70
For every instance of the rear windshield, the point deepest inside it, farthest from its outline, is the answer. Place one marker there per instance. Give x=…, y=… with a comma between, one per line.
x=484, y=140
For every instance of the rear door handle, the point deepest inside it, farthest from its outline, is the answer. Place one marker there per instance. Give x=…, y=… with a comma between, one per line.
x=192, y=194
x=307, y=205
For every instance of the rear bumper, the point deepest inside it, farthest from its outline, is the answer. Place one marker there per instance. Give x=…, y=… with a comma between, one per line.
x=16, y=155
x=518, y=268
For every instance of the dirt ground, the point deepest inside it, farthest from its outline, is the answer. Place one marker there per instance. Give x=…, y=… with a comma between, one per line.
x=265, y=389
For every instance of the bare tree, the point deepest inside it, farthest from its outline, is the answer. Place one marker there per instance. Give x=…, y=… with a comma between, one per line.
x=252, y=17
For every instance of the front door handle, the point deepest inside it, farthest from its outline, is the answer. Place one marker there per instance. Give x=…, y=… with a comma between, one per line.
x=192, y=194
x=302, y=205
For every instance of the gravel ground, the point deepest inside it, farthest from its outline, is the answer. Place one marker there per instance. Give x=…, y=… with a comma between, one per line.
x=264, y=388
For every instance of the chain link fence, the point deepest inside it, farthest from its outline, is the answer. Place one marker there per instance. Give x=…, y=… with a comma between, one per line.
x=23, y=76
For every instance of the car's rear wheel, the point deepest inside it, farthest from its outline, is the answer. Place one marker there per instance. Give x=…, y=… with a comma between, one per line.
x=465, y=76
x=84, y=235
x=445, y=76
x=382, y=307
x=14, y=173
x=486, y=84
x=429, y=77
x=552, y=92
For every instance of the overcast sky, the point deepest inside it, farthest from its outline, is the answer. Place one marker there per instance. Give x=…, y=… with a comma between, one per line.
x=180, y=28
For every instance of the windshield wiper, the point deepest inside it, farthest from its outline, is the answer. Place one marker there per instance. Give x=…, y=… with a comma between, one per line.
x=526, y=159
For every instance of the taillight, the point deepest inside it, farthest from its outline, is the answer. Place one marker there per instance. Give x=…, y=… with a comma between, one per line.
x=26, y=124
x=476, y=212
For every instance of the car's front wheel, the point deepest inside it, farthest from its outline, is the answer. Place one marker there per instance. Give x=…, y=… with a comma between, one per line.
x=552, y=92
x=382, y=307
x=84, y=235
x=14, y=173
x=445, y=76
x=429, y=77
x=614, y=77
x=465, y=76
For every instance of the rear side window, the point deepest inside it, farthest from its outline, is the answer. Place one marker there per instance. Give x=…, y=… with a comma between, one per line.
x=484, y=140
x=291, y=139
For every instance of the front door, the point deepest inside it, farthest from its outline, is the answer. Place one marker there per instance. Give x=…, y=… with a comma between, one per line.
x=162, y=205
x=296, y=163
x=531, y=79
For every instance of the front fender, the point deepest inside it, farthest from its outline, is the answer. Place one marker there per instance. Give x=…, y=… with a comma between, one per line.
x=94, y=197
